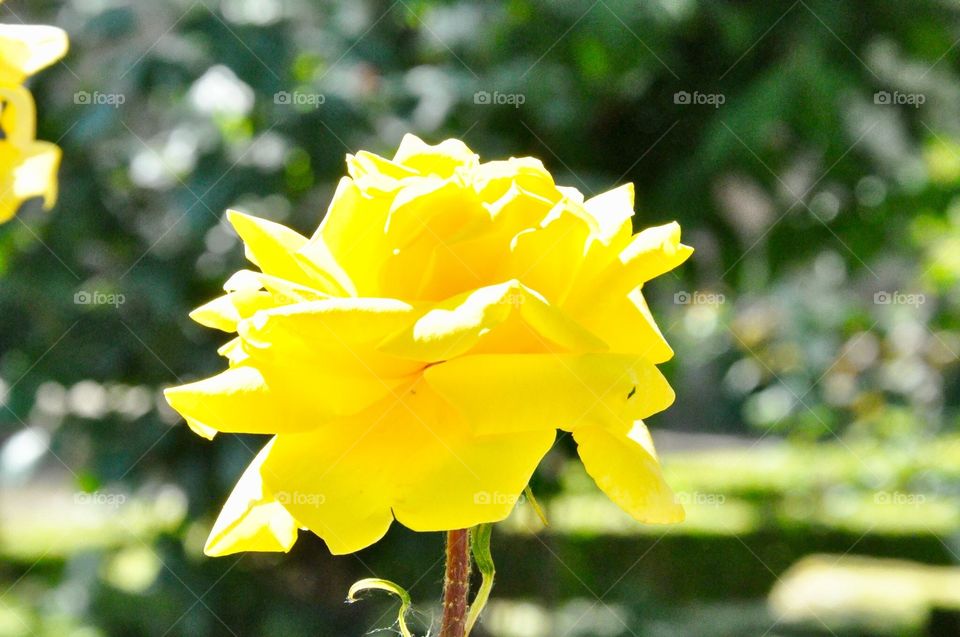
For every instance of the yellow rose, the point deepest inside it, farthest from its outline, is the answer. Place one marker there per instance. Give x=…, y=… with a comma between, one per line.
x=414, y=357
x=28, y=168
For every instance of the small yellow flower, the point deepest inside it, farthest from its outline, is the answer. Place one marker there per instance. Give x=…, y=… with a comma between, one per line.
x=414, y=357
x=28, y=168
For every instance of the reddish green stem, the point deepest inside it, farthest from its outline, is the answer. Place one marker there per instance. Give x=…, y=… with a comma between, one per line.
x=456, y=584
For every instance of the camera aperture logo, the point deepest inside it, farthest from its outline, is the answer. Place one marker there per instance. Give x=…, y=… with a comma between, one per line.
x=97, y=98
x=95, y=297
x=299, y=98
x=497, y=98
x=685, y=98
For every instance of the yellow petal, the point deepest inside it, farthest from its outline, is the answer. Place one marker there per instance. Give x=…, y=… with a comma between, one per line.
x=220, y=314
x=247, y=293
x=332, y=323
x=453, y=479
x=336, y=482
x=625, y=467
x=438, y=208
x=436, y=270
x=457, y=326
x=653, y=252
x=494, y=178
x=232, y=350
x=33, y=173
x=224, y=312
x=427, y=220
x=330, y=345
x=412, y=457
x=518, y=209
x=571, y=193
x=19, y=116
x=252, y=519
x=352, y=231
x=316, y=260
x=268, y=245
x=200, y=429
x=613, y=211
x=25, y=49
x=273, y=248
x=368, y=165
x=644, y=257
x=626, y=324
x=240, y=400
x=36, y=176
x=441, y=160
x=437, y=267
x=243, y=280
x=523, y=392
x=286, y=291
x=548, y=258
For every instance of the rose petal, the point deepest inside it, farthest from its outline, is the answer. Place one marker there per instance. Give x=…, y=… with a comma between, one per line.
x=523, y=392
x=252, y=519
x=625, y=467
x=481, y=317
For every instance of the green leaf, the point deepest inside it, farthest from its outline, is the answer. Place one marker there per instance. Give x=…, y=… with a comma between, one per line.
x=536, y=505
x=375, y=583
x=480, y=547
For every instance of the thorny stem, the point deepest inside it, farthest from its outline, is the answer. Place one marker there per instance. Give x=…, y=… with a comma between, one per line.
x=456, y=584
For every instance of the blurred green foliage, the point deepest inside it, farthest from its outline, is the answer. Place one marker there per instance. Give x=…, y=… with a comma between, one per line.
x=821, y=312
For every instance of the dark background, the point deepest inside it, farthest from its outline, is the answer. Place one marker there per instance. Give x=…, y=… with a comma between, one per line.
x=811, y=152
